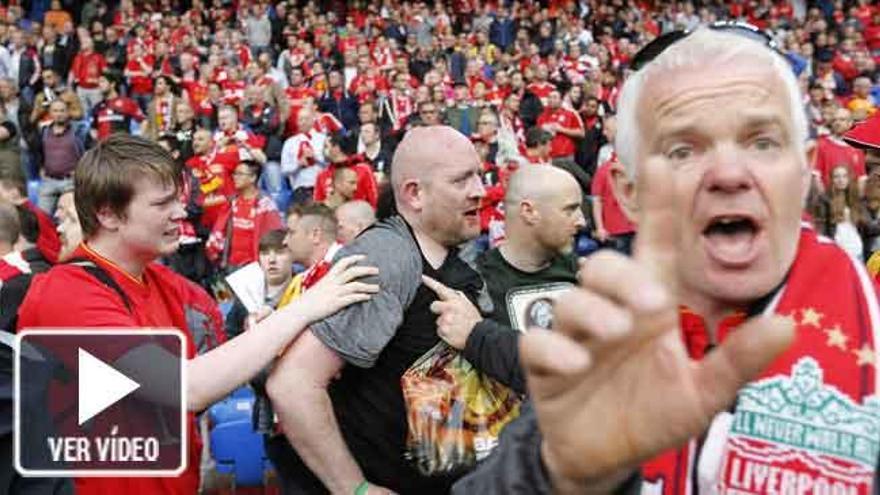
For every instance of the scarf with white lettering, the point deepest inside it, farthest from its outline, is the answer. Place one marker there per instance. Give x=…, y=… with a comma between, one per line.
x=811, y=422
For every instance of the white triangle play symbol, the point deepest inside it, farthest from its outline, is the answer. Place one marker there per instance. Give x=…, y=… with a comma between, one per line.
x=100, y=386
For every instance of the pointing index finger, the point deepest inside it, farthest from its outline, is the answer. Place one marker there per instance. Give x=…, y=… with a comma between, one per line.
x=443, y=292
x=658, y=223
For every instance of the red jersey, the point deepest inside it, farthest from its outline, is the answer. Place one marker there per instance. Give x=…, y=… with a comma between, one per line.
x=541, y=89
x=250, y=219
x=115, y=115
x=831, y=152
x=561, y=145
x=215, y=185
x=158, y=300
x=48, y=242
x=614, y=220
x=366, y=188
x=141, y=84
x=87, y=68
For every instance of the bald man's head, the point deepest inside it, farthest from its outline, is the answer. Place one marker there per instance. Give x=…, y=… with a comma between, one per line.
x=543, y=205
x=352, y=218
x=435, y=176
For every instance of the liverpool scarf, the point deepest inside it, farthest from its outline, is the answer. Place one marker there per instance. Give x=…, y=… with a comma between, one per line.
x=811, y=422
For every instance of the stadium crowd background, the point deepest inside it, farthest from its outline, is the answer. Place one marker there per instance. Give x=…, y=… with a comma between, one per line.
x=270, y=106
x=530, y=82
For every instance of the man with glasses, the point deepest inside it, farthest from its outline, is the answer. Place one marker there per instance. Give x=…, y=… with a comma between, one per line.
x=712, y=339
x=235, y=240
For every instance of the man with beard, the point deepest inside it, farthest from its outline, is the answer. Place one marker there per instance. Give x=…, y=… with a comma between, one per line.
x=526, y=274
x=437, y=188
x=114, y=113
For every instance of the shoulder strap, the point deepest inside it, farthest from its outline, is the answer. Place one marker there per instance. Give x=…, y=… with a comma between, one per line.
x=99, y=273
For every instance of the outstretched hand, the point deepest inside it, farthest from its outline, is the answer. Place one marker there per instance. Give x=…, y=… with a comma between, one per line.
x=613, y=384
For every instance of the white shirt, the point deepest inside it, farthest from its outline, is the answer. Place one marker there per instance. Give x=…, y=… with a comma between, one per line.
x=303, y=176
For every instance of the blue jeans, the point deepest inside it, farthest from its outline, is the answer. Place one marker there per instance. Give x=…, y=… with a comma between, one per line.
x=50, y=190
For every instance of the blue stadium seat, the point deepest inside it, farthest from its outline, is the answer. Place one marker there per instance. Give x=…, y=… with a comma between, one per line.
x=236, y=448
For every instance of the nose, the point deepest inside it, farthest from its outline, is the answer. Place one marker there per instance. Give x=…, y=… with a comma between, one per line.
x=579, y=221
x=476, y=190
x=728, y=172
x=178, y=212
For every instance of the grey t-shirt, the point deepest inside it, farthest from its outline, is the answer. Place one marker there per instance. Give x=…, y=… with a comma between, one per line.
x=359, y=332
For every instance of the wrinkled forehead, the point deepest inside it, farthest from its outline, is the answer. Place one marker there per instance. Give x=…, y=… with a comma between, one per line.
x=679, y=97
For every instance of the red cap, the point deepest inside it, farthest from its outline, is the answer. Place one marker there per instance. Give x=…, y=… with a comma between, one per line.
x=866, y=134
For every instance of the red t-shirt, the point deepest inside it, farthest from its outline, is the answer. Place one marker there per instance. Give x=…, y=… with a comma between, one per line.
x=48, y=242
x=141, y=84
x=614, y=220
x=561, y=145
x=157, y=301
x=242, y=241
x=87, y=68
x=366, y=188
x=115, y=115
x=541, y=89
x=831, y=152
x=215, y=184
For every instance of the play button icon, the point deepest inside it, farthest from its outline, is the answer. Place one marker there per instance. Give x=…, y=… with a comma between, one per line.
x=100, y=402
x=100, y=386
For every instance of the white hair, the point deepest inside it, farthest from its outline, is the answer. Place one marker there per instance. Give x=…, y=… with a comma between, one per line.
x=701, y=49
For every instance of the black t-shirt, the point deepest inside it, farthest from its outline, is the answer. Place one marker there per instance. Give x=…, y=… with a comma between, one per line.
x=522, y=299
x=380, y=340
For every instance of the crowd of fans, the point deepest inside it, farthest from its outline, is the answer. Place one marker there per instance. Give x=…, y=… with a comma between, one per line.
x=284, y=117
x=313, y=97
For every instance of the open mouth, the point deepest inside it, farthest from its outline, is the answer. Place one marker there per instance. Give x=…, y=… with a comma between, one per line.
x=731, y=239
x=473, y=214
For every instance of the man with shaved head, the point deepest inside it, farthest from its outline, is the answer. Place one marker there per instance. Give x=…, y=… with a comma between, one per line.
x=524, y=276
x=350, y=435
x=353, y=218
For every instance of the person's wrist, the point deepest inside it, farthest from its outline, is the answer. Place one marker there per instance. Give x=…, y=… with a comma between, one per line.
x=565, y=485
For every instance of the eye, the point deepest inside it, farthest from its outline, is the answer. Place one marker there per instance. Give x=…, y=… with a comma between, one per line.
x=680, y=153
x=764, y=144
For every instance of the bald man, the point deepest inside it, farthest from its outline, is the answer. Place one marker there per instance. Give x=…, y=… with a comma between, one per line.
x=524, y=276
x=350, y=437
x=353, y=218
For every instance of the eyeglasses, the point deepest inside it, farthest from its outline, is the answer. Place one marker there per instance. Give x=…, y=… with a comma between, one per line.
x=659, y=44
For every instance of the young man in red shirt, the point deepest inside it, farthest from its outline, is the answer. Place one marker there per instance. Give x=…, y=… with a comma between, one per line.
x=563, y=124
x=114, y=113
x=127, y=194
x=235, y=239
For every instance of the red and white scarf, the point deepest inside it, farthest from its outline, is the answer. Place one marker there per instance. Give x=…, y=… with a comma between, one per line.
x=811, y=422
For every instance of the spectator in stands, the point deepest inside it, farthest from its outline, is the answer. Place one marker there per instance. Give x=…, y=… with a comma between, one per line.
x=563, y=124
x=161, y=117
x=302, y=156
x=339, y=153
x=13, y=190
x=69, y=231
x=85, y=71
x=61, y=144
x=114, y=114
x=52, y=90
x=461, y=115
x=234, y=241
x=352, y=218
x=832, y=150
x=375, y=151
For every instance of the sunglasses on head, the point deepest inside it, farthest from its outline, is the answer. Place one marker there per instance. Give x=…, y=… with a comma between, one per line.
x=659, y=44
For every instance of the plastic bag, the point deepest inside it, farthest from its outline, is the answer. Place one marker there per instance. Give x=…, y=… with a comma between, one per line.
x=454, y=412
